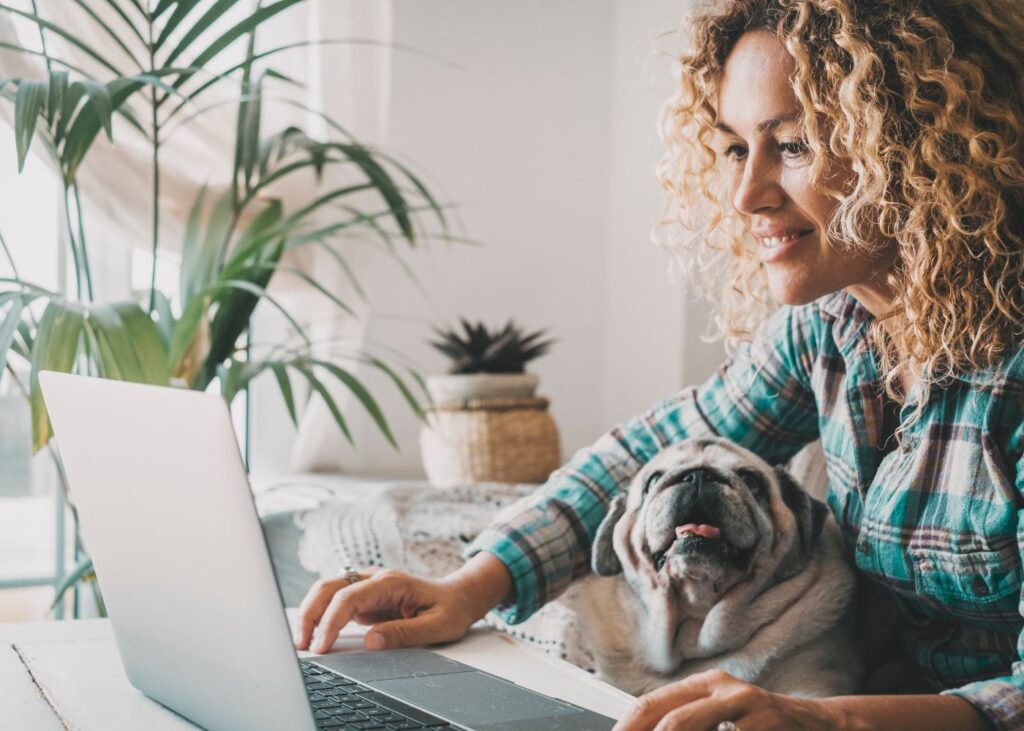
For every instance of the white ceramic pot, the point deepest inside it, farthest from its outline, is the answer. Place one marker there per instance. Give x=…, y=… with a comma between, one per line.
x=457, y=387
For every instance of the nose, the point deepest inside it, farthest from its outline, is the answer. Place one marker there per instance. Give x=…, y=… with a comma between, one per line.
x=699, y=476
x=758, y=189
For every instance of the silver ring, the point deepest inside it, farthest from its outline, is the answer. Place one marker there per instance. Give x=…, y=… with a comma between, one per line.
x=349, y=574
x=727, y=726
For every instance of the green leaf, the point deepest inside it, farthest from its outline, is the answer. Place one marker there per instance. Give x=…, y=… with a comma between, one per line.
x=199, y=263
x=164, y=5
x=246, y=25
x=55, y=349
x=134, y=342
x=55, y=101
x=285, y=384
x=257, y=235
x=190, y=249
x=165, y=317
x=319, y=387
x=235, y=376
x=406, y=393
x=212, y=15
x=260, y=293
x=102, y=102
x=362, y=394
x=110, y=32
x=185, y=331
x=8, y=326
x=28, y=103
x=272, y=74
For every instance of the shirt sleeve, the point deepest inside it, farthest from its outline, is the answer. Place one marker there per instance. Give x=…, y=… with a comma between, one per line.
x=1001, y=700
x=761, y=398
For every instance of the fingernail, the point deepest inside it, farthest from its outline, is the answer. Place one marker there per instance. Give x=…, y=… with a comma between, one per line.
x=296, y=637
x=374, y=642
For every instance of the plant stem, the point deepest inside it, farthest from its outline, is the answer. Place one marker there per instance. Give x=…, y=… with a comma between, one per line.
x=71, y=243
x=10, y=259
x=86, y=268
x=156, y=169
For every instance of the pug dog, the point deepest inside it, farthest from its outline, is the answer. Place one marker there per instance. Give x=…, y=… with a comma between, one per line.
x=715, y=559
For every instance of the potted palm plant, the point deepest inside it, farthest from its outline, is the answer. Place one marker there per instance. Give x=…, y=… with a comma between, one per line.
x=485, y=423
x=171, y=56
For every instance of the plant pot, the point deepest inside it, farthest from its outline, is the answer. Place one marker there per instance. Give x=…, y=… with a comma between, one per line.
x=454, y=388
x=512, y=440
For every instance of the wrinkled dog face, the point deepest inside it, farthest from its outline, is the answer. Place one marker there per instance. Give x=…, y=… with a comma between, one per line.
x=695, y=518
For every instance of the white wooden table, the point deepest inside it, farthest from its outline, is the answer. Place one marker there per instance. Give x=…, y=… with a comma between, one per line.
x=68, y=675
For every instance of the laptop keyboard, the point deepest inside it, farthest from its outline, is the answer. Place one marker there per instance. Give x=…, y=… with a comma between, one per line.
x=340, y=703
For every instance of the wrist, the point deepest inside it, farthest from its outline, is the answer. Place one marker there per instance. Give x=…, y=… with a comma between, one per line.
x=840, y=718
x=482, y=582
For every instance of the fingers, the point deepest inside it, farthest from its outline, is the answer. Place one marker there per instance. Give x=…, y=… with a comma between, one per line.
x=424, y=629
x=666, y=707
x=384, y=592
x=312, y=608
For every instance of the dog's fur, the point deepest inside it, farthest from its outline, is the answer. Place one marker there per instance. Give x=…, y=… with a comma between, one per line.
x=768, y=600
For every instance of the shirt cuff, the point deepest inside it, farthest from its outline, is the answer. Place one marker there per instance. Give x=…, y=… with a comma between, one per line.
x=1000, y=701
x=522, y=602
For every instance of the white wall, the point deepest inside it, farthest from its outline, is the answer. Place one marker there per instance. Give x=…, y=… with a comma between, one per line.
x=544, y=135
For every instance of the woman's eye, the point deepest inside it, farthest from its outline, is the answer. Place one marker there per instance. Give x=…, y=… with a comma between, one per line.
x=735, y=152
x=794, y=149
x=651, y=479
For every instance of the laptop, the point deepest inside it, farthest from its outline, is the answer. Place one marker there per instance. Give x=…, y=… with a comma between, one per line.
x=168, y=517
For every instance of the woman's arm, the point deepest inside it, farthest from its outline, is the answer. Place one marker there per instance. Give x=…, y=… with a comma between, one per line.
x=905, y=712
x=707, y=699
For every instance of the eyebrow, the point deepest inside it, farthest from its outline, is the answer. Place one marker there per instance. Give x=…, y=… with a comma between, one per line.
x=766, y=126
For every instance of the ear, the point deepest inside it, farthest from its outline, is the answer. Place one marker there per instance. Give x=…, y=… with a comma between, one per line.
x=809, y=512
x=603, y=560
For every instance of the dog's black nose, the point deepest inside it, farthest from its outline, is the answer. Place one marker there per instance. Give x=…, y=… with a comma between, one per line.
x=699, y=476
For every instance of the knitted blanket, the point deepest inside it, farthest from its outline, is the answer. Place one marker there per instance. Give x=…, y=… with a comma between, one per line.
x=424, y=531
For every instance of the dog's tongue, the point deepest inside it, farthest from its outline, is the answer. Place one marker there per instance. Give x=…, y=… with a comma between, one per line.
x=703, y=530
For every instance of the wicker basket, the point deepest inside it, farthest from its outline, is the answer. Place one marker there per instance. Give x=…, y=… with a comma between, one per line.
x=490, y=440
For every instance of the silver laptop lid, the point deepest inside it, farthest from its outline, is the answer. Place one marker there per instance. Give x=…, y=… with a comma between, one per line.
x=167, y=516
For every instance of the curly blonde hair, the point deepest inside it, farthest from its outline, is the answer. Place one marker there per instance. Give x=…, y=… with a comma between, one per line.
x=925, y=99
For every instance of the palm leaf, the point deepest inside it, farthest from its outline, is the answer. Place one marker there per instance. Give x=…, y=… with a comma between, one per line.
x=285, y=385
x=321, y=389
x=362, y=394
x=55, y=349
x=27, y=106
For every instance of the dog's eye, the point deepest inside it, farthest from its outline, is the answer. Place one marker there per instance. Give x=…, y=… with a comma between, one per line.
x=651, y=479
x=755, y=481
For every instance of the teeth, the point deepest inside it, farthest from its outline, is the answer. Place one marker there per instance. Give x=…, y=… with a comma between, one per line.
x=774, y=242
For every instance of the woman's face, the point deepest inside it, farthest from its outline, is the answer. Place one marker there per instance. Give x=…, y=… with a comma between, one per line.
x=767, y=169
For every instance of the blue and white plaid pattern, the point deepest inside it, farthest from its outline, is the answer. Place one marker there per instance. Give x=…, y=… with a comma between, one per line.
x=937, y=522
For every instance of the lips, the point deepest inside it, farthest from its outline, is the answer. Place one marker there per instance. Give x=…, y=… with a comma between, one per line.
x=777, y=242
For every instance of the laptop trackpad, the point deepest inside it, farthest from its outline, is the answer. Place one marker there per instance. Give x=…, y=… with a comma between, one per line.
x=474, y=699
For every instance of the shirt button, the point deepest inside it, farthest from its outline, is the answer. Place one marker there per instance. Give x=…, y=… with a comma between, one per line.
x=863, y=548
x=980, y=587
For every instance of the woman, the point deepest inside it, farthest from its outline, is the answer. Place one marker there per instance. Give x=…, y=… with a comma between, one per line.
x=871, y=157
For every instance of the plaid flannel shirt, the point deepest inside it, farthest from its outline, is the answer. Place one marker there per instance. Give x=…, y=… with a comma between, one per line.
x=937, y=522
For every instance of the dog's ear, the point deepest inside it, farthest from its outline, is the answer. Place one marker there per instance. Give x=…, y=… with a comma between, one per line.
x=603, y=560
x=809, y=512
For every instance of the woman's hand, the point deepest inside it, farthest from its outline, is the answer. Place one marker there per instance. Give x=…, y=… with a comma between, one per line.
x=405, y=610
x=702, y=701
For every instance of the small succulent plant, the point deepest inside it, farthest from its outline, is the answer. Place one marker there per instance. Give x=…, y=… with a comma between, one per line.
x=479, y=350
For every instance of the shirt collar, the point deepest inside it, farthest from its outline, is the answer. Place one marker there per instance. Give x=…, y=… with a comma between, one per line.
x=850, y=325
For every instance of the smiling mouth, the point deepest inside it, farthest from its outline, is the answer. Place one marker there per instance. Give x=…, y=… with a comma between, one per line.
x=775, y=242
